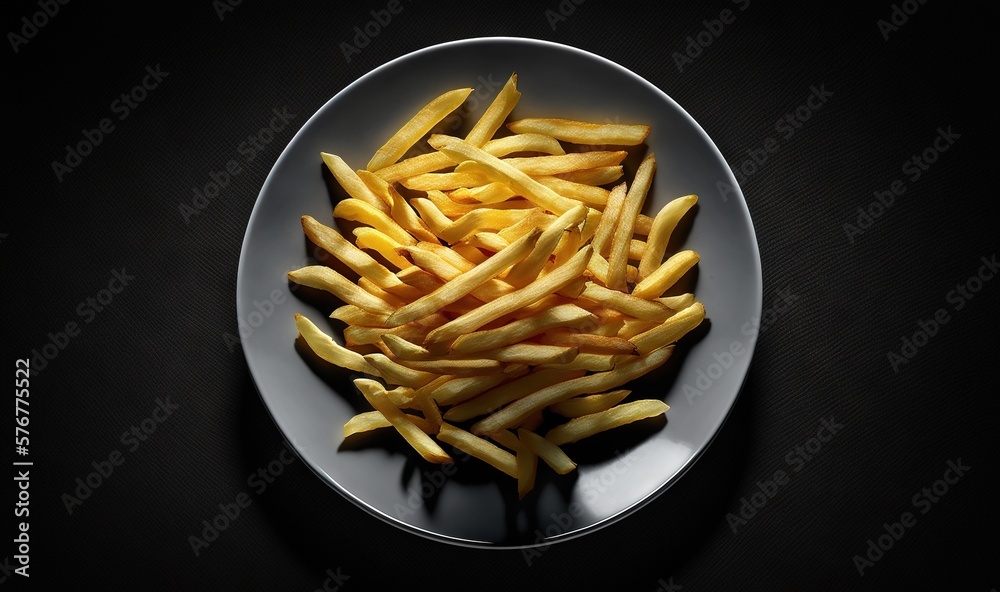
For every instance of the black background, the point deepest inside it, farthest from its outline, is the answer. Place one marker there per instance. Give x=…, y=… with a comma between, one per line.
x=825, y=356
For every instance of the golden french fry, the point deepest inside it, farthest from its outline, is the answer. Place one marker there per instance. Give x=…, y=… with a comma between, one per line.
x=605, y=228
x=326, y=348
x=500, y=171
x=666, y=275
x=490, y=241
x=414, y=436
x=547, y=451
x=590, y=343
x=482, y=219
x=679, y=302
x=461, y=389
x=588, y=425
x=581, y=132
x=464, y=283
x=586, y=362
x=417, y=127
x=594, y=383
x=359, y=211
x=381, y=243
x=579, y=406
x=444, y=181
x=351, y=183
x=567, y=315
x=659, y=235
x=359, y=335
x=512, y=391
x=523, y=143
x=373, y=420
x=453, y=366
x=399, y=208
x=491, y=193
x=359, y=261
x=324, y=278
x=533, y=354
x=526, y=270
x=478, y=447
x=640, y=308
x=394, y=373
x=671, y=330
x=510, y=302
x=588, y=194
x=625, y=226
x=527, y=466
x=564, y=163
x=495, y=114
x=632, y=327
x=355, y=315
x=598, y=176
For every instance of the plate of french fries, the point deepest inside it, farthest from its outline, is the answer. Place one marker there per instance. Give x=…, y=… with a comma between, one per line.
x=510, y=300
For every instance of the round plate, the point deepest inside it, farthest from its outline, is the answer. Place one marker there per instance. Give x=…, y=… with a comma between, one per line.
x=469, y=503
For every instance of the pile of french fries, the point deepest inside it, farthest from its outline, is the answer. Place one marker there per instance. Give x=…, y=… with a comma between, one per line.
x=507, y=283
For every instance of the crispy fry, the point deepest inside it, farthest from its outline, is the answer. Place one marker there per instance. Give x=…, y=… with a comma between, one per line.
x=606, y=227
x=588, y=194
x=393, y=373
x=625, y=226
x=351, y=183
x=324, y=278
x=373, y=420
x=526, y=270
x=640, y=308
x=547, y=451
x=666, y=275
x=586, y=362
x=478, y=447
x=566, y=315
x=588, y=425
x=598, y=176
x=326, y=348
x=659, y=235
x=359, y=261
x=381, y=243
x=594, y=383
x=590, y=343
x=512, y=391
x=579, y=406
x=581, y=132
x=417, y=127
x=533, y=354
x=564, y=163
x=416, y=438
x=359, y=211
x=453, y=366
x=671, y=330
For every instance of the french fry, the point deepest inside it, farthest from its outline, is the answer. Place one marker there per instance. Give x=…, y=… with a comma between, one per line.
x=360, y=211
x=421, y=123
x=598, y=176
x=547, y=451
x=482, y=449
x=659, y=235
x=381, y=243
x=625, y=226
x=606, y=227
x=444, y=181
x=567, y=315
x=526, y=270
x=355, y=315
x=533, y=354
x=588, y=194
x=671, y=330
x=588, y=425
x=420, y=441
x=580, y=132
x=589, y=343
x=464, y=283
x=580, y=406
x=585, y=362
x=564, y=163
x=594, y=383
x=479, y=220
x=352, y=183
x=498, y=170
x=640, y=308
x=527, y=466
x=326, y=348
x=462, y=389
x=510, y=302
x=394, y=373
x=399, y=209
x=324, y=278
x=666, y=275
x=373, y=420
x=512, y=391
x=359, y=261
x=454, y=367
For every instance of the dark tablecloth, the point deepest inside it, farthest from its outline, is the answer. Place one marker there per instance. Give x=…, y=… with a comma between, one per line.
x=874, y=212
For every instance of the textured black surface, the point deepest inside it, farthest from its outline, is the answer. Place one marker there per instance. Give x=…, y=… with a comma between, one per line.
x=825, y=356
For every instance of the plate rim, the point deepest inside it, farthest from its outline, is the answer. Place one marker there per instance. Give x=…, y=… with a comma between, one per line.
x=624, y=512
